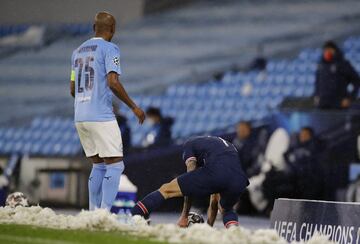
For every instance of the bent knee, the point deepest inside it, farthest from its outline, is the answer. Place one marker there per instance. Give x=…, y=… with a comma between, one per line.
x=170, y=190
x=164, y=187
x=165, y=190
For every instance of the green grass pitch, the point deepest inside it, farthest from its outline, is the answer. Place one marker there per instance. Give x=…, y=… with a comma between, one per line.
x=22, y=234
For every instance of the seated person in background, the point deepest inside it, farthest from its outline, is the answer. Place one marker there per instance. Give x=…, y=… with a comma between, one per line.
x=304, y=165
x=160, y=131
x=259, y=63
x=333, y=76
x=246, y=144
x=302, y=177
x=124, y=128
x=4, y=183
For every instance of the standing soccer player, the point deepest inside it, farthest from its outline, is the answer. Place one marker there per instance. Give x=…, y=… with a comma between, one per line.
x=95, y=70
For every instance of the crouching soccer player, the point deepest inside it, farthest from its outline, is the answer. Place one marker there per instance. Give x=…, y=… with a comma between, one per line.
x=213, y=166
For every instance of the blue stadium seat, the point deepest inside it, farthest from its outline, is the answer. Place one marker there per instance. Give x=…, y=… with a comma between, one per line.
x=196, y=108
x=309, y=90
x=66, y=150
x=228, y=78
x=35, y=148
x=8, y=147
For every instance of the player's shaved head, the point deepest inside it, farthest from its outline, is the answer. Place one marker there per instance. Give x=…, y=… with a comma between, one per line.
x=104, y=25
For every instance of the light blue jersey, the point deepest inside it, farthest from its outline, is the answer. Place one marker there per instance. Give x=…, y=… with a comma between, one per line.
x=90, y=64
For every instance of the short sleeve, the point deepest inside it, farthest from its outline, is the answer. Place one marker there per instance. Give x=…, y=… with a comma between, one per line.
x=112, y=60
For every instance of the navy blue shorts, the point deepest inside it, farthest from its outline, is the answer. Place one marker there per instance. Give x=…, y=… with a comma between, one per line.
x=222, y=178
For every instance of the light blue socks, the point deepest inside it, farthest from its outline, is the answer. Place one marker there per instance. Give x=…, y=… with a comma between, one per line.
x=110, y=184
x=95, y=181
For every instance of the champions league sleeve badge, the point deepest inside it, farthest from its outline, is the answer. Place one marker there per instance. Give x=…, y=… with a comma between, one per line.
x=116, y=61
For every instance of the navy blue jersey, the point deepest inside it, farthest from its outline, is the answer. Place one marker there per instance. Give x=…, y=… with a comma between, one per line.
x=208, y=149
x=219, y=169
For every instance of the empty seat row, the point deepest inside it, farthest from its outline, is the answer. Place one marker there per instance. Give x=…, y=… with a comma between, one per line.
x=12, y=29
x=196, y=108
x=50, y=136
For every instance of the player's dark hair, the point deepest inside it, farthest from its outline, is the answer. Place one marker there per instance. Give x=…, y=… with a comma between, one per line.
x=309, y=129
x=330, y=44
x=333, y=45
x=153, y=111
x=245, y=122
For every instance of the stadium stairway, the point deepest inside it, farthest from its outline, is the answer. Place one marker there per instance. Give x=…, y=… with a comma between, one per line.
x=187, y=44
x=196, y=108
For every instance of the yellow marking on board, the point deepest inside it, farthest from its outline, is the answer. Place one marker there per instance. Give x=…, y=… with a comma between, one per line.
x=72, y=76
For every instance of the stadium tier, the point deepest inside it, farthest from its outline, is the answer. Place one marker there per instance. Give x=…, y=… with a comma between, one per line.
x=196, y=108
x=71, y=29
x=6, y=30
x=76, y=29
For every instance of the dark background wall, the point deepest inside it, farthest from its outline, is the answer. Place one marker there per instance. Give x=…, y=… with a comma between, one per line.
x=148, y=171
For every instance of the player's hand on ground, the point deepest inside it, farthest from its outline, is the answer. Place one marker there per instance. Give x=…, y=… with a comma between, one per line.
x=139, y=114
x=183, y=222
x=345, y=103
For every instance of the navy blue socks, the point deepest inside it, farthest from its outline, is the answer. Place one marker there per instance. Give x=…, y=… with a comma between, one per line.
x=151, y=202
x=230, y=218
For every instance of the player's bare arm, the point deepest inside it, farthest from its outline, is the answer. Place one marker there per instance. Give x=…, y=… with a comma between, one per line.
x=72, y=88
x=118, y=89
x=190, y=164
x=183, y=220
x=213, y=209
